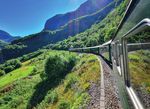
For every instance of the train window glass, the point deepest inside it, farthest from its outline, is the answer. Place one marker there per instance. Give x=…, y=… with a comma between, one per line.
x=139, y=10
x=139, y=65
x=105, y=52
x=112, y=53
x=119, y=57
x=115, y=53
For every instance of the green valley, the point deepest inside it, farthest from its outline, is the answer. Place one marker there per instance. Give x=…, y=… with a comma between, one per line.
x=38, y=84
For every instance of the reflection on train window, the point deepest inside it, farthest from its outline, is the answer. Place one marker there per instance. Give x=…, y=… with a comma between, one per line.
x=115, y=53
x=139, y=65
x=105, y=52
x=118, y=56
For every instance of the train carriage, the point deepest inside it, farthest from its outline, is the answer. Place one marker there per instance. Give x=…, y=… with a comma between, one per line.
x=129, y=55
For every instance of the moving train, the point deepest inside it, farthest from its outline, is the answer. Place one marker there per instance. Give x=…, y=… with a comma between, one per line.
x=128, y=54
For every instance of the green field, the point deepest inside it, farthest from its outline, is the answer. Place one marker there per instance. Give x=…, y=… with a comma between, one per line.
x=15, y=75
x=29, y=87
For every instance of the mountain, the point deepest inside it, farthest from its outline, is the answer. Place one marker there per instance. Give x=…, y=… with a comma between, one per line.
x=89, y=7
x=2, y=44
x=99, y=33
x=72, y=28
x=36, y=41
x=6, y=37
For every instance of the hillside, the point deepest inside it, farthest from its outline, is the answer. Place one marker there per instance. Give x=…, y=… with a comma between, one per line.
x=6, y=37
x=34, y=42
x=2, y=44
x=97, y=34
x=89, y=7
x=70, y=29
x=63, y=88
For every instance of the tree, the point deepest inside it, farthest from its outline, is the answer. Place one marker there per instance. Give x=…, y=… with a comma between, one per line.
x=2, y=72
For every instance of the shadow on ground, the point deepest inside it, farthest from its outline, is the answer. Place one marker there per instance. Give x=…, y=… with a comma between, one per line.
x=42, y=89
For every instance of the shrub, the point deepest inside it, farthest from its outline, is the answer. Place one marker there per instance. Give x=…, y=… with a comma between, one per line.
x=54, y=66
x=34, y=71
x=16, y=102
x=52, y=97
x=81, y=101
x=2, y=102
x=17, y=64
x=58, y=66
x=7, y=99
x=2, y=72
x=70, y=81
x=64, y=105
x=8, y=69
x=10, y=65
x=31, y=55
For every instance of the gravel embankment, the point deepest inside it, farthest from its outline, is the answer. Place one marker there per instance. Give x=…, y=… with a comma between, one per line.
x=95, y=96
x=111, y=93
x=145, y=97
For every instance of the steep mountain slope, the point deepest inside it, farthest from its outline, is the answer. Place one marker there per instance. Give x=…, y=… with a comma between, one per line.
x=70, y=29
x=4, y=36
x=97, y=34
x=2, y=44
x=36, y=41
x=89, y=7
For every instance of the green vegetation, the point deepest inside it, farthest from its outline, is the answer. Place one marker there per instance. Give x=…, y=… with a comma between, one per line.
x=9, y=66
x=55, y=80
x=2, y=44
x=139, y=70
x=57, y=66
x=141, y=37
x=12, y=51
x=31, y=55
x=15, y=75
x=13, y=64
x=97, y=34
x=100, y=27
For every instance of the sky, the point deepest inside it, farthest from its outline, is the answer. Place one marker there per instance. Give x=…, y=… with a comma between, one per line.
x=24, y=17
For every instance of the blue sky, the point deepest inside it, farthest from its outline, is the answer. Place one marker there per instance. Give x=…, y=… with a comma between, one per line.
x=24, y=17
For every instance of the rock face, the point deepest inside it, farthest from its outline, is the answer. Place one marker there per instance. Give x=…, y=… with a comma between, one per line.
x=86, y=8
x=76, y=26
x=6, y=37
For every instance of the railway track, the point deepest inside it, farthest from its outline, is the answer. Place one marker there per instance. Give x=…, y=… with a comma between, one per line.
x=104, y=94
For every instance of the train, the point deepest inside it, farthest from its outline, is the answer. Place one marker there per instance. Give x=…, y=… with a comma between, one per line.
x=128, y=55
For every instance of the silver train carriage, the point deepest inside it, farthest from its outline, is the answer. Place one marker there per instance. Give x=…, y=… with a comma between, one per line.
x=128, y=53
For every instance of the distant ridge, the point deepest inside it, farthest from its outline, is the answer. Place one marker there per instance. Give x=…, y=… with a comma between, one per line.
x=36, y=41
x=89, y=7
x=6, y=37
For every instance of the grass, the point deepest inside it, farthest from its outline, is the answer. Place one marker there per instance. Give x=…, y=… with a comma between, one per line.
x=71, y=92
x=15, y=75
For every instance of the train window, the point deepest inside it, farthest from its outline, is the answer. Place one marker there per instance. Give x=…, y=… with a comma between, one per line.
x=139, y=65
x=139, y=10
x=105, y=52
